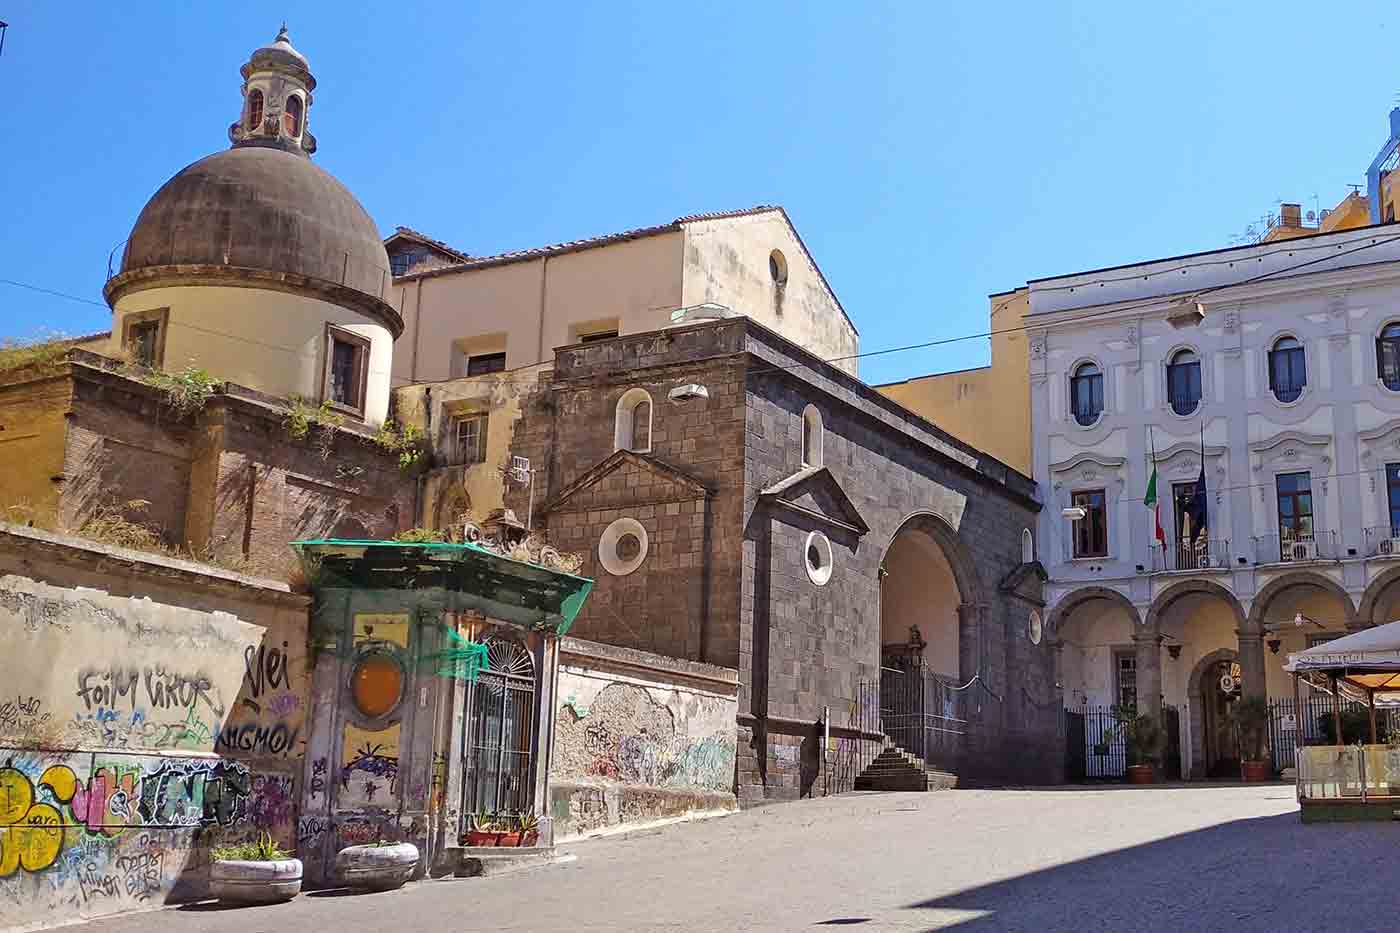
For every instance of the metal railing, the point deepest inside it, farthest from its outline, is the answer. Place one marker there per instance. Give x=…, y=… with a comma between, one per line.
x=847, y=755
x=1288, y=391
x=1087, y=413
x=1293, y=548
x=1096, y=743
x=1213, y=554
x=1383, y=541
x=1184, y=403
x=924, y=714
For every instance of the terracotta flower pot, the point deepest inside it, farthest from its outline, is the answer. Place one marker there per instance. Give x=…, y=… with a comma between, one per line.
x=1141, y=774
x=1256, y=770
x=481, y=837
x=508, y=839
x=529, y=838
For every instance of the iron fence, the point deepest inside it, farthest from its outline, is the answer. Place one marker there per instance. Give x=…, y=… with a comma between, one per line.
x=848, y=755
x=1312, y=720
x=1097, y=745
x=925, y=714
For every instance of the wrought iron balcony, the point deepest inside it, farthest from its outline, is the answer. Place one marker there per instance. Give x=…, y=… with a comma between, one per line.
x=1213, y=554
x=1383, y=541
x=1294, y=547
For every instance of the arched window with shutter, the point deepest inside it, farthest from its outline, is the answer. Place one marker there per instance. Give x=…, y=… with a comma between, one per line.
x=291, y=116
x=255, y=110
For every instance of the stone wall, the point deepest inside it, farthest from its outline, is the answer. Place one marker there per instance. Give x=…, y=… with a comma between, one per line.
x=229, y=481
x=806, y=647
x=152, y=709
x=639, y=738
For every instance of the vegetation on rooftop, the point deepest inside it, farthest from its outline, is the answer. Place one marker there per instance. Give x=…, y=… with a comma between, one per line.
x=43, y=353
x=186, y=392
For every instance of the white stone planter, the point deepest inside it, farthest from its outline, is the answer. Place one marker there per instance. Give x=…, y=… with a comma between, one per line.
x=239, y=882
x=379, y=868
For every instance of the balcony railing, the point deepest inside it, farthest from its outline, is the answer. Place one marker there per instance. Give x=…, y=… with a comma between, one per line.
x=1185, y=555
x=1288, y=391
x=1184, y=403
x=1087, y=413
x=1292, y=548
x=1383, y=541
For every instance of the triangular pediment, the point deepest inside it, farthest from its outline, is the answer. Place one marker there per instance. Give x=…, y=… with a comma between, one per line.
x=815, y=493
x=625, y=479
x=1026, y=581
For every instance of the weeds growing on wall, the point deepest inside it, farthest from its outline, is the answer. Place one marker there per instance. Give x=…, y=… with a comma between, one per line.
x=44, y=354
x=420, y=536
x=405, y=440
x=317, y=422
x=186, y=392
x=112, y=523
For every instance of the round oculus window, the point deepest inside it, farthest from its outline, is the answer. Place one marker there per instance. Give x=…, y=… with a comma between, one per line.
x=623, y=547
x=818, y=558
x=376, y=684
x=1035, y=629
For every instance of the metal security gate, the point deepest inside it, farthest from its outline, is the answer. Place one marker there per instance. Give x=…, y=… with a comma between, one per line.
x=1096, y=743
x=924, y=714
x=500, y=729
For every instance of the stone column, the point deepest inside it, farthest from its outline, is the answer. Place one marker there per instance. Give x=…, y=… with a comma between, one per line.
x=1252, y=663
x=1148, y=649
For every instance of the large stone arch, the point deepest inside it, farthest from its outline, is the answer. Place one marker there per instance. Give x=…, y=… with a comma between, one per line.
x=1366, y=614
x=1194, y=687
x=1254, y=623
x=1176, y=591
x=953, y=645
x=1076, y=598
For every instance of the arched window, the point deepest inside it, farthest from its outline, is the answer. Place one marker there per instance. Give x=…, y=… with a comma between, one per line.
x=255, y=110
x=632, y=429
x=777, y=267
x=1086, y=393
x=1388, y=356
x=1288, y=369
x=812, y=439
x=291, y=117
x=500, y=730
x=1027, y=546
x=1184, y=381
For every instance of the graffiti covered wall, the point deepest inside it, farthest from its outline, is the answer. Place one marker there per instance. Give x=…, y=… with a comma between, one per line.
x=639, y=737
x=136, y=733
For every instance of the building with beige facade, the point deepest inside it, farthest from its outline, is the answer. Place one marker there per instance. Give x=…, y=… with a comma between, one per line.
x=471, y=315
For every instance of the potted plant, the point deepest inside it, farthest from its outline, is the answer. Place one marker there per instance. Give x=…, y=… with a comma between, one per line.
x=254, y=873
x=1145, y=740
x=379, y=866
x=529, y=829
x=1250, y=717
x=489, y=829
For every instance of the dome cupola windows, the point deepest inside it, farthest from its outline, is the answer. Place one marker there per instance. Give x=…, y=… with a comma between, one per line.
x=277, y=86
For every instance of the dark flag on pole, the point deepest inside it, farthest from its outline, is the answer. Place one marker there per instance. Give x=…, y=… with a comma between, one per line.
x=1196, y=509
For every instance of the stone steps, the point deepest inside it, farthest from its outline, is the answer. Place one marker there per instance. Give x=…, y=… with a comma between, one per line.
x=895, y=769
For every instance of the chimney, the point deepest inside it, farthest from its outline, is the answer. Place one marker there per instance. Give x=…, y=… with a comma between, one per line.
x=1290, y=215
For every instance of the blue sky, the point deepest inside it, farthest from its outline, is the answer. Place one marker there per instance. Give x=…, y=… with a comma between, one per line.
x=929, y=153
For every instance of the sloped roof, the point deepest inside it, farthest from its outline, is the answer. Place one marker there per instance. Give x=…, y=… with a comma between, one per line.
x=573, y=246
x=693, y=486
x=408, y=233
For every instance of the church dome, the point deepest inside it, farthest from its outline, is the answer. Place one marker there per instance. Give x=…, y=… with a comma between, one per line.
x=266, y=214
x=261, y=214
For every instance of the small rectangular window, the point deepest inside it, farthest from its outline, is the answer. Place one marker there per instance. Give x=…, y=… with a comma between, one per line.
x=596, y=336
x=484, y=363
x=469, y=439
x=347, y=366
x=1125, y=678
x=1091, y=531
x=143, y=336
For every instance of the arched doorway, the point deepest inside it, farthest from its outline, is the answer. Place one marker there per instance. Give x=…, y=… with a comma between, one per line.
x=929, y=616
x=1381, y=602
x=1294, y=611
x=1214, y=684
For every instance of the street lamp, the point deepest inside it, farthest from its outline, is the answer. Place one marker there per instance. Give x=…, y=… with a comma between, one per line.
x=1074, y=513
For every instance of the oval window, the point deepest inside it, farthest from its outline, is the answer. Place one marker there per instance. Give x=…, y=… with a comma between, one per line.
x=376, y=684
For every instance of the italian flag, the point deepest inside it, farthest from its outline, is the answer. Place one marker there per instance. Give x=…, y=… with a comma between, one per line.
x=1153, y=503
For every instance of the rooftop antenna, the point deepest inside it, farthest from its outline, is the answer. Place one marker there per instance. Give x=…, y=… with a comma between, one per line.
x=3, y=26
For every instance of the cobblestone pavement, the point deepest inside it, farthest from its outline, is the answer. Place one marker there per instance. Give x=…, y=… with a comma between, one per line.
x=1059, y=859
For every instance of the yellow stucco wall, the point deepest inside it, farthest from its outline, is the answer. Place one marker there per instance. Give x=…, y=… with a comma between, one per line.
x=919, y=589
x=534, y=304
x=990, y=407
x=33, y=431
x=726, y=262
x=270, y=341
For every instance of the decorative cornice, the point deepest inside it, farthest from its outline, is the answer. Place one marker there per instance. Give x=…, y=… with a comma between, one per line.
x=180, y=275
x=1297, y=437
x=1073, y=463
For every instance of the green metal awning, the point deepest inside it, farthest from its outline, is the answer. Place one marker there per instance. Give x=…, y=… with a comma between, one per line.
x=478, y=578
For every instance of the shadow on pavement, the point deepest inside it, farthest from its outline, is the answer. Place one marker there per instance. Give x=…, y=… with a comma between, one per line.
x=1261, y=874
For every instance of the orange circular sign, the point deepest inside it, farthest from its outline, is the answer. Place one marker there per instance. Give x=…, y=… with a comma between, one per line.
x=376, y=685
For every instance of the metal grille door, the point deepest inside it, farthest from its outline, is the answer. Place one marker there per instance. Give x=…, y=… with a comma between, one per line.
x=500, y=731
